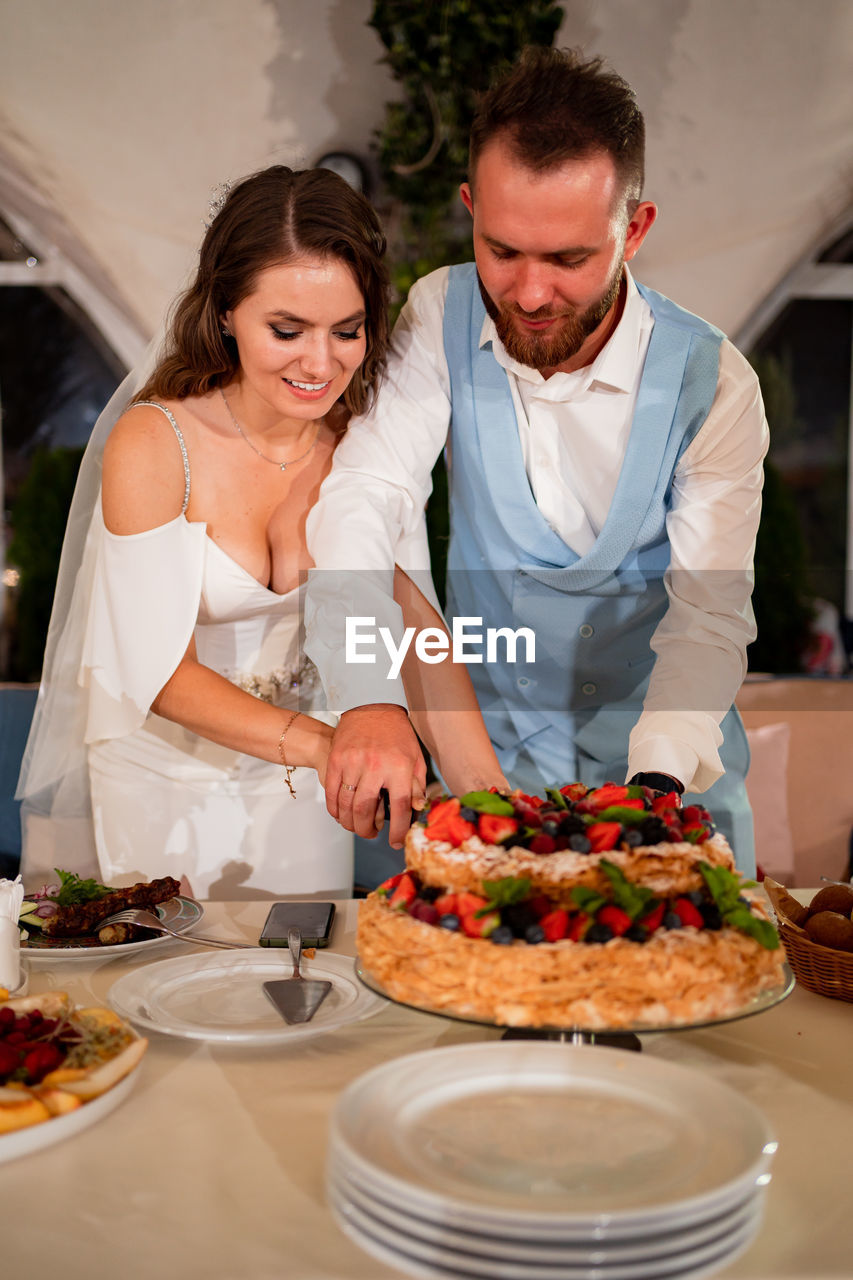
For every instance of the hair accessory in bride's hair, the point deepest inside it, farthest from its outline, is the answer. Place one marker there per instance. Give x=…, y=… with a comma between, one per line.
x=218, y=196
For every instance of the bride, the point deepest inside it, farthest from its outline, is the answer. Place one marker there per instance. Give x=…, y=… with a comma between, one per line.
x=176, y=699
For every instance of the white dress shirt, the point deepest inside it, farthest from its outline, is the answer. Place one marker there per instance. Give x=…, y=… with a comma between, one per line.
x=574, y=430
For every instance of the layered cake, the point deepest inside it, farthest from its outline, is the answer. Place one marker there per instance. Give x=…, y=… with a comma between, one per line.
x=595, y=908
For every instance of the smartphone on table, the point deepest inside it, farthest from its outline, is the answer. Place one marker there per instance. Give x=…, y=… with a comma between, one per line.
x=312, y=919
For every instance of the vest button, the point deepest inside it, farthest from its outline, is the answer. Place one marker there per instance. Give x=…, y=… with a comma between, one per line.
x=523, y=682
x=586, y=631
x=589, y=688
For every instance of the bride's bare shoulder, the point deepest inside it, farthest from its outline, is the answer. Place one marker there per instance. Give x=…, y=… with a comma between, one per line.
x=143, y=482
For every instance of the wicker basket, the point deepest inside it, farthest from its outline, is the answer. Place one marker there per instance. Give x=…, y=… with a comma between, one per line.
x=819, y=969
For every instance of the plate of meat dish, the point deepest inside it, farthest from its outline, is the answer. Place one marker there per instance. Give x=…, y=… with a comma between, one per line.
x=61, y=921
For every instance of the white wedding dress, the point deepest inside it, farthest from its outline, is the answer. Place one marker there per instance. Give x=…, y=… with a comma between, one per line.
x=163, y=800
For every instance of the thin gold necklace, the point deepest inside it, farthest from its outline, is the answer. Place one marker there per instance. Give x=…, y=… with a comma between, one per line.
x=282, y=466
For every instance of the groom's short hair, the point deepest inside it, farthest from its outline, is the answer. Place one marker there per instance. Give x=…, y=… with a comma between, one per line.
x=554, y=105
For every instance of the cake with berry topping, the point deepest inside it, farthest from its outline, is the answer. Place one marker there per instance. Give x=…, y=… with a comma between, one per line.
x=596, y=908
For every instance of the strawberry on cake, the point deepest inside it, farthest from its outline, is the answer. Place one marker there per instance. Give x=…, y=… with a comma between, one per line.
x=597, y=908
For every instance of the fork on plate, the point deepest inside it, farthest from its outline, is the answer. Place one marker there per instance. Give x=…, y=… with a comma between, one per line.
x=147, y=920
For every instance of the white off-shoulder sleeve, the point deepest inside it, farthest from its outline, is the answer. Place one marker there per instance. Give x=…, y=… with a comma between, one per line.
x=142, y=613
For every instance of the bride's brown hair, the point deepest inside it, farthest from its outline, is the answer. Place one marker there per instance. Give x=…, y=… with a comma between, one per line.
x=276, y=216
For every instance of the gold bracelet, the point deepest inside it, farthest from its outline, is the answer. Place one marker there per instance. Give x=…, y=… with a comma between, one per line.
x=288, y=768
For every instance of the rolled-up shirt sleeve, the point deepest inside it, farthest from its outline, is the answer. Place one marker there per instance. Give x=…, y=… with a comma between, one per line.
x=370, y=513
x=700, y=644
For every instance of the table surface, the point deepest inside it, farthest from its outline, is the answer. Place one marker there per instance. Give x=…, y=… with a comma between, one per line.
x=214, y=1165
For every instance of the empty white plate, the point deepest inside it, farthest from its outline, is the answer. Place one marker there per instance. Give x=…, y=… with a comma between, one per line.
x=589, y=1250
x=430, y=1261
x=221, y=998
x=550, y=1139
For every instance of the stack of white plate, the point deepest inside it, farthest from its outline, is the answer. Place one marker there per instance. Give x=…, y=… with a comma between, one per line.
x=544, y=1161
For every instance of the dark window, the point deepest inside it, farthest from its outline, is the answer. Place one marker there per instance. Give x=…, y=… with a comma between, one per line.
x=56, y=374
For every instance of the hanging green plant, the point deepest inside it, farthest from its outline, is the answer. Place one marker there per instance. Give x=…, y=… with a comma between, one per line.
x=443, y=53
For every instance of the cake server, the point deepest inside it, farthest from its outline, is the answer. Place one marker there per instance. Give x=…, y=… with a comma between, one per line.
x=297, y=999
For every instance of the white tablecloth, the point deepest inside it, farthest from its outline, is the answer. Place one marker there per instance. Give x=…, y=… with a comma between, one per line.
x=213, y=1167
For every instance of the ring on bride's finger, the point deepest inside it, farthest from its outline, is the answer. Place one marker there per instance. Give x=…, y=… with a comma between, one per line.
x=348, y=786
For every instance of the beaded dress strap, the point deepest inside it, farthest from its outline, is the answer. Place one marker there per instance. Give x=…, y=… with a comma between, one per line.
x=154, y=405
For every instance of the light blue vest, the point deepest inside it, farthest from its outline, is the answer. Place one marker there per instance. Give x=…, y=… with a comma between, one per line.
x=568, y=715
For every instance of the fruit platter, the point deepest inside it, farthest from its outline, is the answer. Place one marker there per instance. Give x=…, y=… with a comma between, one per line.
x=61, y=1068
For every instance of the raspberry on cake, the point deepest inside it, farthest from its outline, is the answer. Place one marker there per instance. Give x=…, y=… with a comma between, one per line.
x=606, y=907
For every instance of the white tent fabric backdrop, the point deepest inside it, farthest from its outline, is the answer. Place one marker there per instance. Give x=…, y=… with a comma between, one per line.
x=118, y=121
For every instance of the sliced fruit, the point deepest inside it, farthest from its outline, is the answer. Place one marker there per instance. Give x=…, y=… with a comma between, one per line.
x=19, y=1109
x=578, y=925
x=459, y=829
x=51, y=1004
x=687, y=913
x=97, y=1081
x=438, y=819
x=604, y=797
x=654, y=918
x=388, y=886
x=555, y=924
x=494, y=828
x=615, y=918
x=99, y=1017
x=58, y=1101
x=404, y=893
x=480, y=926
x=468, y=903
x=533, y=802
x=441, y=809
x=603, y=835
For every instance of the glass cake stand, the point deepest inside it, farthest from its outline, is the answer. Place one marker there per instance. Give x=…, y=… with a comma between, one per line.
x=626, y=1037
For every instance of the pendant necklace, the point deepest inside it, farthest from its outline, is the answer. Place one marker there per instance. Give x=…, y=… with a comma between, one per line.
x=282, y=466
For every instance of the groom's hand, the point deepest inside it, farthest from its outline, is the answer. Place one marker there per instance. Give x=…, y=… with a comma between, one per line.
x=375, y=747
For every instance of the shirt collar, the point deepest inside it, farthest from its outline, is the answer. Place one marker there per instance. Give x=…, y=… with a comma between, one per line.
x=614, y=366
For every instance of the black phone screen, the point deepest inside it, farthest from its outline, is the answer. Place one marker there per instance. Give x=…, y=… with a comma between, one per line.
x=312, y=919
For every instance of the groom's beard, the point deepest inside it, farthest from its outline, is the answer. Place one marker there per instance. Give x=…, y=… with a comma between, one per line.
x=547, y=350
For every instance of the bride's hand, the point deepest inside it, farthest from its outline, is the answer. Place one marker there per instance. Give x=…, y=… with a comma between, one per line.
x=321, y=751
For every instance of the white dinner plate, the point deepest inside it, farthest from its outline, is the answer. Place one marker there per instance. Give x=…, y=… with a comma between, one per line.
x=590, y=1248
x=423, y=1260
x=607, y=1229
x=221, y=997
x=178, y=913
x=550, y=1136
x=22, y=1142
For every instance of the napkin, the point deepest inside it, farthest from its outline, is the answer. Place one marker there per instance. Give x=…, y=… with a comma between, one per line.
x=11, y=897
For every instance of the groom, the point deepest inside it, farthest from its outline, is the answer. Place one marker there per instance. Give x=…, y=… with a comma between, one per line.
x=605, y=456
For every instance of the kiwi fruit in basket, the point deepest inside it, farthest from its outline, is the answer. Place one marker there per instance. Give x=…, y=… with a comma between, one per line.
x=831, y=929
x=835, y=897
